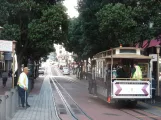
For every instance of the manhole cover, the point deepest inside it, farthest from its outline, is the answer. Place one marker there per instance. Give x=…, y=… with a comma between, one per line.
x=62, y=111
x=73, y=106
x=61, y=106
x=111, y=114
x=76, y=111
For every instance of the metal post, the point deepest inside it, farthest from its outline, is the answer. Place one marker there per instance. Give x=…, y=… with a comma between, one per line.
x=158, y=74
x=13, y=91
x=13, y=66
x=3, y=107
x=17, y=98
x=158, y=51
x=8, y=105
x=0, y=108
x=13, y=69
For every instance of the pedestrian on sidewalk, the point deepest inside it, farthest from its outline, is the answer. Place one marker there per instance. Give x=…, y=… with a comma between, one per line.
x=10, y=73
x=23, y=86
x=4, y=78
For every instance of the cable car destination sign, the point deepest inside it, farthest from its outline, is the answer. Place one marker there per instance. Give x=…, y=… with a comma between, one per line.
x=6, y=46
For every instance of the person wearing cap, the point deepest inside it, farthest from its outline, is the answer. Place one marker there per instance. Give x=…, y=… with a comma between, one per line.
x=23, y=86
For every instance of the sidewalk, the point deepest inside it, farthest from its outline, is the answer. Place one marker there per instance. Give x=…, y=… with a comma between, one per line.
x=8, y=86
x=42, y=107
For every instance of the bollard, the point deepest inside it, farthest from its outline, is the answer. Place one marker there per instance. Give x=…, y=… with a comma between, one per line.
x=3, y=107
x=8, y=105
x=17, y=98
x=13, y=91
x=0, y=107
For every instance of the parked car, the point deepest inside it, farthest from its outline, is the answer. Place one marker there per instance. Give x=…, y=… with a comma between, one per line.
x=66, y=71
x=41, y=70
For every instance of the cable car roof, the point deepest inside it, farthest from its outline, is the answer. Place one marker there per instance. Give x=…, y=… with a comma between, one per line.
x=122, y=52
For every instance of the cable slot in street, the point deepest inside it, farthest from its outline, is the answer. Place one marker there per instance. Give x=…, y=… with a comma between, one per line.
x=72, y=108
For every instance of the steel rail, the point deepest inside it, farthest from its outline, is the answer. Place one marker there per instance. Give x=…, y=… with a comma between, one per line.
x=53, y=100
x=55, y=108
x=131, y=115
x=154, y=117
x=73, y=101
x=139, y=118
x=74, y=117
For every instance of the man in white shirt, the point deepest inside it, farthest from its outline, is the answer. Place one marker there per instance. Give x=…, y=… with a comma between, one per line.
x=23, y=86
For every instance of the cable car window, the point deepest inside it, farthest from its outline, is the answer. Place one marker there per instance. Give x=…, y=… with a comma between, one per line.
x=127, y=51
x=114, y=52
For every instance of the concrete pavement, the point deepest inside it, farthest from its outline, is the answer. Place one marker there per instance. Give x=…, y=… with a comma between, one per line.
x=41, y=101
x=42, y=107
x=8, y=86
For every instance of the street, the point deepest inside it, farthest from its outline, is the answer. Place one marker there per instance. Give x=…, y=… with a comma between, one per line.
x=73, y=101
x=80, y=60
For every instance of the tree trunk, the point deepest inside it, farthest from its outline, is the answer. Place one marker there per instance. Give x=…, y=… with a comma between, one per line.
x=19, y=60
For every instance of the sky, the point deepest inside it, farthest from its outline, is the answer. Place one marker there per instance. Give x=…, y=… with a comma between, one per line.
x=70, y=5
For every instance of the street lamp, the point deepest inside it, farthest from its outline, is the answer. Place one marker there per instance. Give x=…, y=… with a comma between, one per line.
x=158, y=51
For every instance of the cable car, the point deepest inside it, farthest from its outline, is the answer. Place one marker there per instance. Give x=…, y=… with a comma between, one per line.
x=112, y=75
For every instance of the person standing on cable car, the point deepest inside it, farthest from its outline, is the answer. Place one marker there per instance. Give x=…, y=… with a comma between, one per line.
x=136, y=72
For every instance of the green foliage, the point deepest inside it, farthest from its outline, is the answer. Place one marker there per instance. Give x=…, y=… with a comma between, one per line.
x=11, y=32
x=107, y=23
x=35, y=24
x=116, y=20
x=73, y=43
x=49, y=29
x=3, y=12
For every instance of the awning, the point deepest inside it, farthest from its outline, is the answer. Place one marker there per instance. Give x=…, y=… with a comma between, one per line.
x=147, y=43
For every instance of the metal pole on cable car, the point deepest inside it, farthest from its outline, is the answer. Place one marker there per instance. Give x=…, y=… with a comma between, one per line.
x=111, y=67
x=158, y=51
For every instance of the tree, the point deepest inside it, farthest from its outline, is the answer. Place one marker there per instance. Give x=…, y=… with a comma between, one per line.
x=107, y=23
x=73, y=43
x=90, y=26
x=117, y=25
x=35, y=25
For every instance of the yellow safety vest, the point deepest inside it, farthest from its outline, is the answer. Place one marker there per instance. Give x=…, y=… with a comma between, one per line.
x=137, y=74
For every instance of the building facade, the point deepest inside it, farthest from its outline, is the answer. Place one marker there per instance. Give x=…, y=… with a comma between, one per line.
x=64, y=57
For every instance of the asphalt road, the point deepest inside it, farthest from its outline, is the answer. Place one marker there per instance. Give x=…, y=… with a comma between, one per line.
x=94, y=107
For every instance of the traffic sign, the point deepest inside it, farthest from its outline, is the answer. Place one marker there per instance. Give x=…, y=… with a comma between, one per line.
x=6, y=46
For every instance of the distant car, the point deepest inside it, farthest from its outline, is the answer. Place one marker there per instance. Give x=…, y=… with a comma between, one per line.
x=41, y=70
x=66, y=71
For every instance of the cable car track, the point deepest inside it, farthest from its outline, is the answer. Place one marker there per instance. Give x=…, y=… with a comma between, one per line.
x=68, y=102
x=140, y=115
